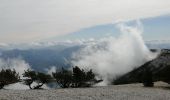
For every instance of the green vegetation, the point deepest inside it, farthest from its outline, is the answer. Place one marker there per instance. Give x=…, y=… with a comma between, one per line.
x=76, y=78
x=63, y=78
x=38, y=77
x=82, y=78
x=147, y=79
x=8, y=76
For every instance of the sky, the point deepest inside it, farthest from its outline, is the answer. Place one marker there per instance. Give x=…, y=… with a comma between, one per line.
x=156, y=28
x=35, y=20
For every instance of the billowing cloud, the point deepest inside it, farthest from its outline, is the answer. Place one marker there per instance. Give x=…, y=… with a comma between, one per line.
x=27, y=20
x=112, y=57
x=15, y=63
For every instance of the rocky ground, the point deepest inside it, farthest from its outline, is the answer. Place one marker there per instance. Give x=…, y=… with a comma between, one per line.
x=120, y=92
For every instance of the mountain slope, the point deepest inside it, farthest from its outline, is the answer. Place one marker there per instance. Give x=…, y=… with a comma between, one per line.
x=160, y=68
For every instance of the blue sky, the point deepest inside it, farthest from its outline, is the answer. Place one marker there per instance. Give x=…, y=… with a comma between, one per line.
x=157, y=28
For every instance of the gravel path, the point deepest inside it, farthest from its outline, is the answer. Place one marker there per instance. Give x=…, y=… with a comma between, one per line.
x=124, y=92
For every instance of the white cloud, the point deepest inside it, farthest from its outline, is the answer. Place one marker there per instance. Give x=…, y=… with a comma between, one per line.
x=111, y=57
x=14, y=63
x=27, y=20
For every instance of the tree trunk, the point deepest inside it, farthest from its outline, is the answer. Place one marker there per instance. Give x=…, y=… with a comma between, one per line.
x=38, y=86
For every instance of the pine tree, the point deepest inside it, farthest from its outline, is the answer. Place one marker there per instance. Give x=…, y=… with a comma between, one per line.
x=8, y=76
x=63, y=78
x=147, y=78
x=38, y=77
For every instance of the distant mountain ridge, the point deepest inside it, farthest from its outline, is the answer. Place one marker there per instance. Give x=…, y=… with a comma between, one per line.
x=41, y=59
x=158, y=44
x=45, y=55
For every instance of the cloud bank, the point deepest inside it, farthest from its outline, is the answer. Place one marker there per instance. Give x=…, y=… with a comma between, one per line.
x=27, y=20
x=111, y=57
